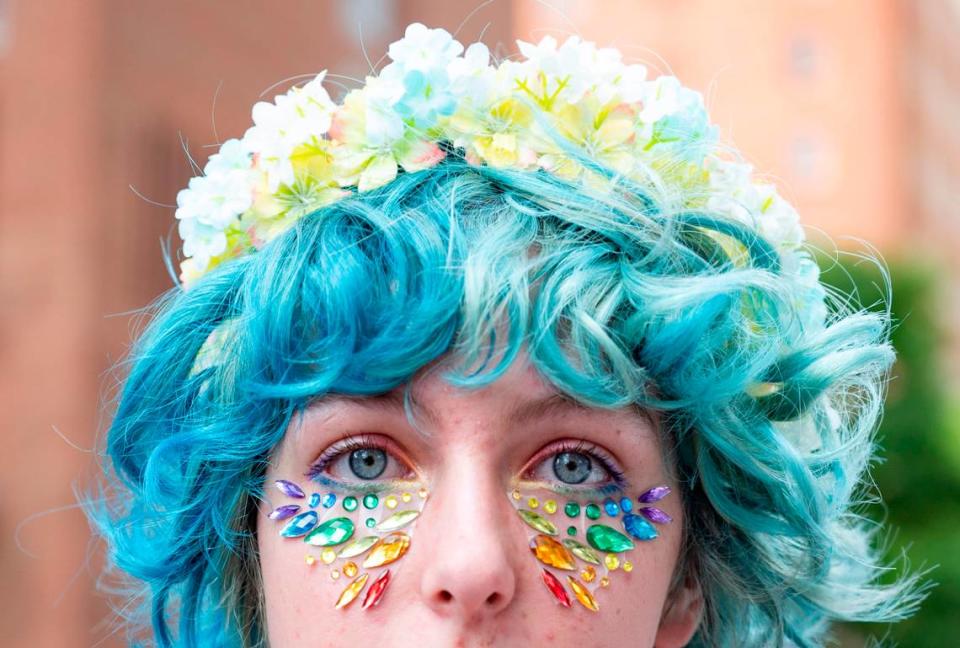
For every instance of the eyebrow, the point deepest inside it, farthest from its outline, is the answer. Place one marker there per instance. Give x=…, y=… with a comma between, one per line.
x=553, y=406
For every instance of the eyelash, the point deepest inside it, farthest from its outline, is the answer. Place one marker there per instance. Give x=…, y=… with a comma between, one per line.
x=341, y=448
x=618, y=481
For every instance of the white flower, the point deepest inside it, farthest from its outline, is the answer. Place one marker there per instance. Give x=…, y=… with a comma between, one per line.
x=233, y=155
x=471, y=76
x=424, y=49
x=292, y=119
x=217, y=199
x=778, y=220
x=383, y=126
x=755, y=204
x=555, y=74
x=665, y=96
x=201, y=241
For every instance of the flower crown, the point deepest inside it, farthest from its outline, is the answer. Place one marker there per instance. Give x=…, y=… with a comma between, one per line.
x=305, y=152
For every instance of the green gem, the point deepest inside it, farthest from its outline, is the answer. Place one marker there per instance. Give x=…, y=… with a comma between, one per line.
x=572, y=530
x=332, y=532
x=358, y=546
x=603, y=538
x=572, y=509
x=370, y=500
x=370, y=522
x=538, y=522
x=350, y=503
x=593, y=511
x=582, y=551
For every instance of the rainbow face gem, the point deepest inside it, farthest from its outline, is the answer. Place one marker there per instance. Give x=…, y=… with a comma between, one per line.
x=597, y=537
x=359, y=536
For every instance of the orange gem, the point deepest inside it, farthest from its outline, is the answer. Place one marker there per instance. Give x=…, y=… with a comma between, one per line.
x=389, y=548
x=583, y=594
x=352, y=591
x=551, y=553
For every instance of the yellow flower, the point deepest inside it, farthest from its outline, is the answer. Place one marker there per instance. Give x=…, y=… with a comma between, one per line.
x=494, y=135
x=371, y=162
x=603, y=132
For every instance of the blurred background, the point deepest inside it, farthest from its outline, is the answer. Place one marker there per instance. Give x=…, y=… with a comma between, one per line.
x=853, y=107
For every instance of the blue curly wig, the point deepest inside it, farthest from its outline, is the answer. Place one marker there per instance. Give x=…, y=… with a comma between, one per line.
x=620, y=299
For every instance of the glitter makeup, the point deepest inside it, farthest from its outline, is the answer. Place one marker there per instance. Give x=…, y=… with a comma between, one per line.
x=357, y=537
x=584, y=544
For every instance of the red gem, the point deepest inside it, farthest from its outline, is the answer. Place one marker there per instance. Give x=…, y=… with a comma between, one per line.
x=376, y=590
x=555, y=587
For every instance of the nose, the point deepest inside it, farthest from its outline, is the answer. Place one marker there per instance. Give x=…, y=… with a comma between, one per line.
x=470, y=569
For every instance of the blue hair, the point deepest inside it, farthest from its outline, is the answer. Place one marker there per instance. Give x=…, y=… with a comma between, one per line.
x=622, y=300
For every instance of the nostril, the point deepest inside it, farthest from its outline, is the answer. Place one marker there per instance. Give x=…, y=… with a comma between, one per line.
x=493, y=598
x=446, y=596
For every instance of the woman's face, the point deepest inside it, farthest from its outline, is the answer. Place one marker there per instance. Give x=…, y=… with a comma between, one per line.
x=464, y=567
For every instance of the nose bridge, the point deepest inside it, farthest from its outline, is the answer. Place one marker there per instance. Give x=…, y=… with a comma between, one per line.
x=470, y=569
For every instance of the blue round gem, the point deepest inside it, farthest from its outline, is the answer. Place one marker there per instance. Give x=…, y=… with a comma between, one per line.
x=315, y=500
x=626, y=504
x=639, y=527
x=329, y=500
x=611, y=507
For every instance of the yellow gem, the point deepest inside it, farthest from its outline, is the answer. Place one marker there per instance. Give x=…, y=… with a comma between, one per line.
x=390, y=502
x=310, y=560
x=627, y=566
x=583, y=594
x=611, y=561
x=422, y=493
x=350, y=569
x=604, y=581
x=550, y=507
x=588, y=574
x=397, y=520
x=406, y=497
x=537, y=521
x=351, y=592
x=551, y=553
x=533, y=503
x=328, y=555
x=335, y=574
x=389, y=548
x=516, y=493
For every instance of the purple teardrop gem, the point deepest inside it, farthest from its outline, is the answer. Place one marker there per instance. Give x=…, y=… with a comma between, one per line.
x=283, y=512
x=654, y=514
x=654, y=494
x=289, y=489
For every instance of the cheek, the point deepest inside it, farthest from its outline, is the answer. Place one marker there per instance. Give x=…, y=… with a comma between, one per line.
x=612, y=556
x=323, y=552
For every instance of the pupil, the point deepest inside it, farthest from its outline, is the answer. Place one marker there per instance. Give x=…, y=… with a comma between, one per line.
x=572, y=467
x=368, y=463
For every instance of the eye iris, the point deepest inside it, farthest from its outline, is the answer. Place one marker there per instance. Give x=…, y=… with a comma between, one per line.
x=368, y=463
x=572, y=467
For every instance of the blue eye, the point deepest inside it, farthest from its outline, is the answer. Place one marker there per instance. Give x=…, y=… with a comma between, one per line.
x=571, y=467
x=368, y=463
x=573, y=463
x=357, y=460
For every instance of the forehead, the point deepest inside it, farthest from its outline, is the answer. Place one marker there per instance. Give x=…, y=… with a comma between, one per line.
x=520, y=396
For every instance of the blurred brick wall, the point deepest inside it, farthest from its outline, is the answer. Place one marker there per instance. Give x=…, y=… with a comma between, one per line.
x=94, y=97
